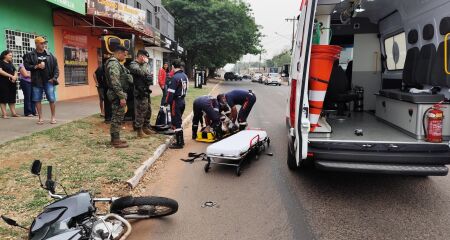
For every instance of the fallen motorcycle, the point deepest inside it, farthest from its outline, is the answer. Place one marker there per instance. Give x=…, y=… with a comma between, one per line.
x=75, y=217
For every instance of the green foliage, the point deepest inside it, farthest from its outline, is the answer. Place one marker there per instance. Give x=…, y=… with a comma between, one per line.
x=280, y=59
x=214, y=32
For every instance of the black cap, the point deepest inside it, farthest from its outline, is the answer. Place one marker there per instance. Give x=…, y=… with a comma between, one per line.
x=120, y=48
x=142, y=52
x=177, y=63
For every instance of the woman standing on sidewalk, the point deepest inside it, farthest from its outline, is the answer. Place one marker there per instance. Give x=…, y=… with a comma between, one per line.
x=29, y=108
x=8, y=86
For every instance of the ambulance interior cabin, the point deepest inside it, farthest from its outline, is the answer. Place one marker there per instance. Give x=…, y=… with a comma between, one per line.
x=390, y=71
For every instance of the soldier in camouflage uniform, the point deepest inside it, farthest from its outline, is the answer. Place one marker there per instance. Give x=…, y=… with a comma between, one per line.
x=142, y=81
x=118, y=80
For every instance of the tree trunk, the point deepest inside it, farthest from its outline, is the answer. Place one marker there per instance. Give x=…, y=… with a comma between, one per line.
x=212, y=72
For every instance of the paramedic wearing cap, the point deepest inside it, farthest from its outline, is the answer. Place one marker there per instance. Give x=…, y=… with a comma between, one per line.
x=142, y=81
x=175, y=98
x=245, y=98
x=44, y=76
x=210, y=106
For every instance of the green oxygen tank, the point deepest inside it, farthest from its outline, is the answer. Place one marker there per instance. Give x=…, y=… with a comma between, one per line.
x=317, y=32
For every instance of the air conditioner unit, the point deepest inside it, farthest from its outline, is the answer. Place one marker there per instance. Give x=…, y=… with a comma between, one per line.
x=157, y=9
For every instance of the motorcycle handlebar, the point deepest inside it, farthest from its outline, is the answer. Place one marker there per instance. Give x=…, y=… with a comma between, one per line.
x=49, y=172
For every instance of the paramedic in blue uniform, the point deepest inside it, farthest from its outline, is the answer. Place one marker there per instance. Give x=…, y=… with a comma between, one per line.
x=211, y=107
x=175, y=98
x=245, y=98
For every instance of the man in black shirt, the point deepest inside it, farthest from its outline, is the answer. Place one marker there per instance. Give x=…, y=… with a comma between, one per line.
x=99, y=77
x=44, y=76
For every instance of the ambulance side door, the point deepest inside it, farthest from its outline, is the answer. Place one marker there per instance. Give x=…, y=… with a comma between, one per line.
x=300, y=76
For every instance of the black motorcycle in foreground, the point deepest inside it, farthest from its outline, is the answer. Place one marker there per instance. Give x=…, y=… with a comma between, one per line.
x=75, y=217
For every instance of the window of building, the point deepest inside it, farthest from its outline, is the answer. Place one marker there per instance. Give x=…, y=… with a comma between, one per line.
x=19, y=43
x=124, y=1
x=75, y=75
x=157, y=23
x=138, y=5
x=149, y=17
x=395, y=48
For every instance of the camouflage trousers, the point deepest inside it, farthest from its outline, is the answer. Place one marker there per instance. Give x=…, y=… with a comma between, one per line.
x=118, y=112
x=142, y=111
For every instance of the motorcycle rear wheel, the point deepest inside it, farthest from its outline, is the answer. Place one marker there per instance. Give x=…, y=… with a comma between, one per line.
x=144, y=207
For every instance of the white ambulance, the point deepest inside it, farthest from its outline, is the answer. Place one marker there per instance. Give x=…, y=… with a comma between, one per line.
x=386, y=108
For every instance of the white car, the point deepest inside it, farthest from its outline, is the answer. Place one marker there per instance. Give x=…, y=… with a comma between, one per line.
x=273, y=78
x=257, y=77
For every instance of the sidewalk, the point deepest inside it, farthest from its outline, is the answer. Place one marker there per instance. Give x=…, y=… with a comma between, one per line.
x=66, y=111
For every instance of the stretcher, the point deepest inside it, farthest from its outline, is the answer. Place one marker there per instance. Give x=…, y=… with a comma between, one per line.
x=234, y=150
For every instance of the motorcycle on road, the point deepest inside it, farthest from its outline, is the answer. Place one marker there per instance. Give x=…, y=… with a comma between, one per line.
x=75, y=217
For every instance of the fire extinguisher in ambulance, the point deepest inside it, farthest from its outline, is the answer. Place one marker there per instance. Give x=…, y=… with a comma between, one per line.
x=433, y=119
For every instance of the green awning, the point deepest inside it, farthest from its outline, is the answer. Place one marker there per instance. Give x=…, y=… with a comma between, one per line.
x=78, y=6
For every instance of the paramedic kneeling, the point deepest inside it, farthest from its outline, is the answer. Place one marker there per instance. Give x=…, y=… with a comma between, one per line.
x=239, y=97
x=175, y=98
x=210, y=106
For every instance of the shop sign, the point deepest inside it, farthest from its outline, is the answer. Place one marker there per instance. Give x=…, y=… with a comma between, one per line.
x=78, y=6
x=134, y=17
x=75, y=49
x=180, y=49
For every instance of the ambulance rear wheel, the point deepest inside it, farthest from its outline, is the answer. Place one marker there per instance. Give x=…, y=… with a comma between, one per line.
x=291, y=161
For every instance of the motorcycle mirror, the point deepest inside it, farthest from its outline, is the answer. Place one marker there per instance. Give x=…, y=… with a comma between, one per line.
x=11, y=222
x=36, y=167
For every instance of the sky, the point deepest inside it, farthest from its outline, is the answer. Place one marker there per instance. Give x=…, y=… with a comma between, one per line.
x=271, y=15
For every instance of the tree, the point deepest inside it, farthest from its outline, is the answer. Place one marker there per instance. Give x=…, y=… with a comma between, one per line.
x=214, y=32
x=280, y=59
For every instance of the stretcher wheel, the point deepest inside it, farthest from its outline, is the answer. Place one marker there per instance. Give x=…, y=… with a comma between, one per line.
x=238, y=171
x=268, y=142
x=207, y=167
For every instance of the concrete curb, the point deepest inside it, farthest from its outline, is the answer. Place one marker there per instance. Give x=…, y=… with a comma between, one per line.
x=140, y=172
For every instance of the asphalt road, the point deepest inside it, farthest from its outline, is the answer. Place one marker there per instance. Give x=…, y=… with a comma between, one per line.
x=270, y=202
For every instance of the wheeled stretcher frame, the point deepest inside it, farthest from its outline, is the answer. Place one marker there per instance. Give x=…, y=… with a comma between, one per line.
x=256, y=145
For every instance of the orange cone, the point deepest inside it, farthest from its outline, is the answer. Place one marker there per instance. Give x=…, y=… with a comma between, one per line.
x=321, y=65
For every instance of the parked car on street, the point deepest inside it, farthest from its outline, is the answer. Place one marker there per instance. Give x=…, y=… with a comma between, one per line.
x=257, y=77
x=230, y=76
x=273, y=79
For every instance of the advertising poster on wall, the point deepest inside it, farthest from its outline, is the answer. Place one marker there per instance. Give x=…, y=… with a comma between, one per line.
x=75, y=49
x=75, y=58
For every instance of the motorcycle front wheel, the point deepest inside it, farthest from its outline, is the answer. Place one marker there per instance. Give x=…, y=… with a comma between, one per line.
x=144, y=207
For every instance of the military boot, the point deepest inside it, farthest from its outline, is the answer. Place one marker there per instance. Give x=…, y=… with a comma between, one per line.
x=148, y=131
x=141, y=134
x=178, y=143
x=181, y=138
x=116, y=142
x=194, y=131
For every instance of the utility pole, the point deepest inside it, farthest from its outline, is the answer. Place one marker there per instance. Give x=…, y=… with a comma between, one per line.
x=259, y=63
x=293, y=20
